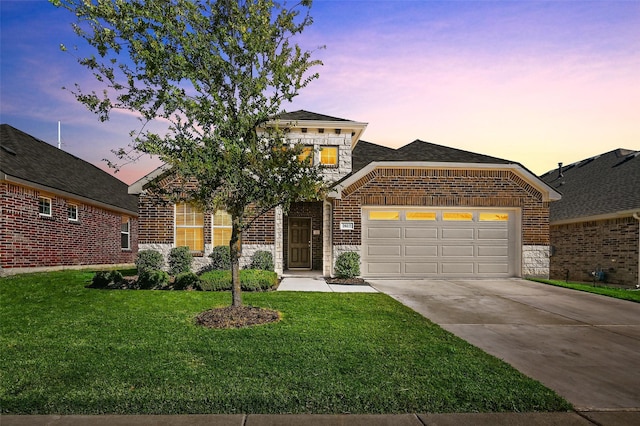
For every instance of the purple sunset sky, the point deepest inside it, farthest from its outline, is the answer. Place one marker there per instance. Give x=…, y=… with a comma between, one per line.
x=530, y=81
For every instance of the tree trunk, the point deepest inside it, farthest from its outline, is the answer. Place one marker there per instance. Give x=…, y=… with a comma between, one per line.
x=235, y=249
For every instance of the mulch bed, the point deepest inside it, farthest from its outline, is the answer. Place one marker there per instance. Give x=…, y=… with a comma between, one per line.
x=237, y=317
x=346, y=281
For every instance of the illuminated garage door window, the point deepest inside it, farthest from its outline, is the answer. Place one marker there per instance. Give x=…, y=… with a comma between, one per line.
x=421, y=215
x=457, y=216
x=384, y=215
x=494, y=217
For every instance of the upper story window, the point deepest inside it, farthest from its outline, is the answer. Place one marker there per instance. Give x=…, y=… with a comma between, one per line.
x=44, y=206
x=189, y=228
x=306, y=154
x=329, y=156
x=72, y=212
x=125, y=233
x=221, y=228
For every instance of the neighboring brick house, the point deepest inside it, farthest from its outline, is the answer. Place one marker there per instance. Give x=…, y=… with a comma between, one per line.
x=423, y=210
x=58, y=210
x=596, y=226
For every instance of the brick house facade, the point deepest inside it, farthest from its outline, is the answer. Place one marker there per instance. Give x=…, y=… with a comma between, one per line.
x=57, y=217
x=435, y=181
x=595, y=228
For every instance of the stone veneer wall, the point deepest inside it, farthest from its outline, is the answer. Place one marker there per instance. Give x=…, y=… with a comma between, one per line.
x=449, y=188
x=611, y=244
x=329, y=137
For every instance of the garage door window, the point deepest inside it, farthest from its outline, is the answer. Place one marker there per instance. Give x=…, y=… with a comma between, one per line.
x=494, y=217
x=421, y=215
x=457, y=216
x=384, y=215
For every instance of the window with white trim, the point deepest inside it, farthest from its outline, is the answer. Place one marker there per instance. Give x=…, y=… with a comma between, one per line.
x=125, y=233
x=221, y=228
x=72, y=212
x=189, y=228
x=44, y=206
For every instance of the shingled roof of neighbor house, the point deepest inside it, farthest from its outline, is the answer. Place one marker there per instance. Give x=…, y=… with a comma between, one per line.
x=34, y=161
x=366, y=152
x=604, y=184
x=301, y=115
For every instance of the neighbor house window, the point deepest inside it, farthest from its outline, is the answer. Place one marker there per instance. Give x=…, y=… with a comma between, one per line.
x=306, y=154
x=221, y=228
x=125, y=233
x=44, y=206
x=72, y=212
x=189, y=227
x=329, y=156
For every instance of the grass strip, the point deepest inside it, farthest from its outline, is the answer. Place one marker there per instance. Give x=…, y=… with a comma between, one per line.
x=618, y=293
x=66, y=349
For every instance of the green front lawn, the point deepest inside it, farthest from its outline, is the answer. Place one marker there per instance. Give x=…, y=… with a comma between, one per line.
x=70, y=350
x=618, y=293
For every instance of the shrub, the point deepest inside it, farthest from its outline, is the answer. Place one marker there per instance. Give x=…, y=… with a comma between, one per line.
x=116, y=277
x=348, y=265
x=153, y=279
x=220, y=258
x=101, y=279
x=250, y=280
x=186, y=280
x=149, y=260
x=180, y=260
x=262, y=260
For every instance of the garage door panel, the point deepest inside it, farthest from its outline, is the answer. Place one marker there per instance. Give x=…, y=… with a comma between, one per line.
x=457, y=234
x=426, y=242
x=421, y=268
x=457, y=268
x=457, y=251
x=379, y=232
x=384, y=268
x=493, y=234
x=379, y=250
x=421, y=233
x=424, y=251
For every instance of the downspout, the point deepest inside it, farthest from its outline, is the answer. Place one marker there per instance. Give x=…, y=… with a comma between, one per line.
x=636, y=216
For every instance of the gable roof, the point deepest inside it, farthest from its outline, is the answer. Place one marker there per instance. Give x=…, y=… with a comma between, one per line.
x=307, y=116
x=30, y=161
x=367, y=152
x=606, y=184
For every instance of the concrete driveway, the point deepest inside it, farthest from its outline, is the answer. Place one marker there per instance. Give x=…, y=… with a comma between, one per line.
x=584, y=346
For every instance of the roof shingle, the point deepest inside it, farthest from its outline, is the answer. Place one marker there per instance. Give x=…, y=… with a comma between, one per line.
x=27, y=158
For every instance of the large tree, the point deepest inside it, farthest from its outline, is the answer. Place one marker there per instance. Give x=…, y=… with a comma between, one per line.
x=219, y=72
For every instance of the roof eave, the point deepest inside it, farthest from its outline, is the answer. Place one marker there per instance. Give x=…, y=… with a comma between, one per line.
x=593, y=218
x=138, y=186
x=357, y=128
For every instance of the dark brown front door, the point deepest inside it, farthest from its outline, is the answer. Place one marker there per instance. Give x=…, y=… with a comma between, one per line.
x=299, y=243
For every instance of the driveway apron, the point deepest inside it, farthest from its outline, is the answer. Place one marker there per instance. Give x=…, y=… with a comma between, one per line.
x=586, y=347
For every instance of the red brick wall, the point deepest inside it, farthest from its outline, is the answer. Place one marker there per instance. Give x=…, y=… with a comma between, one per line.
x=31, y=240
x=442, y=188
x=580, y=248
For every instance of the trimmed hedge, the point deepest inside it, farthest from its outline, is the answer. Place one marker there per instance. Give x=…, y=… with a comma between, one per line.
x=152, y=279
x=149, y=260
x=250, y=280
x=220, y=259
x=348, y=265
x=262, y=260
x=180, y=260
x=186, y=280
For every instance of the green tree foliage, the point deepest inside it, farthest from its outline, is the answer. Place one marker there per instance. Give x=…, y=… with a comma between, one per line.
x=218, y=72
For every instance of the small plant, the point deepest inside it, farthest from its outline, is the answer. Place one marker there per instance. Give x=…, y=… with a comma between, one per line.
x=116, y=277
x=262, y=260
x=220, y=258
x=186, y=280
x=180, y=259
x=149, y=260
x=348, y=265
x=153, y=279
x=101, y=279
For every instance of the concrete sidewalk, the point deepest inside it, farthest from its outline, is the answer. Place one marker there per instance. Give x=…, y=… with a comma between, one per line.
x=456, y=419
x=318, y=283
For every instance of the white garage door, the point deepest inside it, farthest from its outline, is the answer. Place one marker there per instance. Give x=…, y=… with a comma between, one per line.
x=421, y=242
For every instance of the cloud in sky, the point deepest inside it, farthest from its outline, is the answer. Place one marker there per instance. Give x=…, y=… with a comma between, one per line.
x=533, y=82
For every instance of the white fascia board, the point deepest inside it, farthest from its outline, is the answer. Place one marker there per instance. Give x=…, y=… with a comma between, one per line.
x=604, y=216
x=68, y=195
x=138, y=186
x=548, y=193
x=356, y=127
